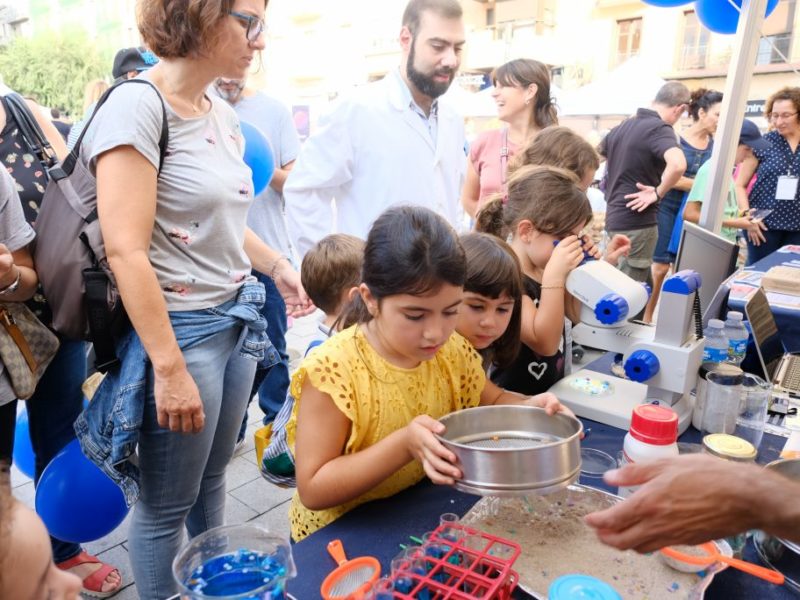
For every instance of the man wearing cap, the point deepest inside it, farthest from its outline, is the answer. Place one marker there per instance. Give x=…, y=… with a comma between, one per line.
x=732, y=218
x=128, y=63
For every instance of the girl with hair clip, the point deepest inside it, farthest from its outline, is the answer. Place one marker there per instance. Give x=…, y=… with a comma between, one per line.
x=544, y=214
x=522, y=94
x=490, y=315
x=368, y=399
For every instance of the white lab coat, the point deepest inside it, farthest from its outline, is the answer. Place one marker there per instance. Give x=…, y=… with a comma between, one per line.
x=370, y=153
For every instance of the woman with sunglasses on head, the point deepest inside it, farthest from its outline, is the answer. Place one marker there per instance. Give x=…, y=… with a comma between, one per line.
x=178, y=245
x=777, y=170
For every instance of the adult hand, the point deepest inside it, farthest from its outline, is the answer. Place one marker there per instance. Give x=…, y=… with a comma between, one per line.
x=682, y=500
x=567, y=255
x=8, y=273
x=438, y=461
x=178, y=403
x=755, y=232
x=643, y=198
x=287, y=280
x=619, y=245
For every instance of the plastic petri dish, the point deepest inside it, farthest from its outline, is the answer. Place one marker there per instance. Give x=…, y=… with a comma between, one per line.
x=596, y=462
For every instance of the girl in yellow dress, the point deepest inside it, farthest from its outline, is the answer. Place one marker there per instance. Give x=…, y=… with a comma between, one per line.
x=368, y=399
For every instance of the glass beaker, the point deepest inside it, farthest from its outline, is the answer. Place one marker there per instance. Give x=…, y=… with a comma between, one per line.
x=723, y=398
x=753, y=408
x=234, y=562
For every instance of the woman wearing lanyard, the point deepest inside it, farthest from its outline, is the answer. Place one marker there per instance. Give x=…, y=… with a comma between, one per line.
x=522, y=94
x=777, y=170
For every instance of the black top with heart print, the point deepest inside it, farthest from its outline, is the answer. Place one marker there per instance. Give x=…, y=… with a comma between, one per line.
x=531, y=373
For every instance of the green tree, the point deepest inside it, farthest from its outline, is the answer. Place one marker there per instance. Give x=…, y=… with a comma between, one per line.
x=53, y=68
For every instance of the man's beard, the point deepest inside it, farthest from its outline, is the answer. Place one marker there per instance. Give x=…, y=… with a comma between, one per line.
x=230, y=94
x=425, y=82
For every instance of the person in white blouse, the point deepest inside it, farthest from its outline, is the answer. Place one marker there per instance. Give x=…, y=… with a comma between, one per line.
x=390, y=143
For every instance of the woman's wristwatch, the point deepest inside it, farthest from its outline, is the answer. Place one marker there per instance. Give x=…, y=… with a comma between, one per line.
x=12, y=287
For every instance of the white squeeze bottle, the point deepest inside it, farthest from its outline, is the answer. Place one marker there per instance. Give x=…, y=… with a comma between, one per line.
x=737, y=337
x=716, y=342
x=653, y=435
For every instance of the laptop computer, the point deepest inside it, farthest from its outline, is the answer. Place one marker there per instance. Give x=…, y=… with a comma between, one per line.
x=780, y=367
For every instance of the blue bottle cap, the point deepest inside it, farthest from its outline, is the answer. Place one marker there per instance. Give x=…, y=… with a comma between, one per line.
x=581, y=587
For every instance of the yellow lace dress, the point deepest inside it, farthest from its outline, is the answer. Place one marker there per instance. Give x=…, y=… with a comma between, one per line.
x=380, y=398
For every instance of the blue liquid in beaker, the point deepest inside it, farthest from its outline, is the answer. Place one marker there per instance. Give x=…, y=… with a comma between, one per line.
x=239, y=573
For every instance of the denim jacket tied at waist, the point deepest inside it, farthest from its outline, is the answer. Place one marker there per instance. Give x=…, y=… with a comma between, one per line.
x=108, y=429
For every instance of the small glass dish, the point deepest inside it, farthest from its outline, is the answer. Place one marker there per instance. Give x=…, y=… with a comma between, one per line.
x=594, y=463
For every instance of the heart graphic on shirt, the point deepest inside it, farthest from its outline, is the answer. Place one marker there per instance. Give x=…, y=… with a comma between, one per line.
x=537, y=369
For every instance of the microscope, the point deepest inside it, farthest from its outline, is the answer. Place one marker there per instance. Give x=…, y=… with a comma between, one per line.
x=660, y=362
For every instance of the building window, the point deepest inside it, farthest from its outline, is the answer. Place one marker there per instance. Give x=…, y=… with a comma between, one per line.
x=490, y=17
x=695, y=43
x=629, y=37
x=777, y=34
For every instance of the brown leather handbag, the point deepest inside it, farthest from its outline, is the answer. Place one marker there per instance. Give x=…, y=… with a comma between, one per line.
x=26, y=347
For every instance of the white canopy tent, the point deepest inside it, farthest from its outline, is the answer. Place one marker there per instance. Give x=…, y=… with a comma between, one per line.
x=619, y=92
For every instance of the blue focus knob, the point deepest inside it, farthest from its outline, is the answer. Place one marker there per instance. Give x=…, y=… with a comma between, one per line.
x=611, y=308
x=641, y=365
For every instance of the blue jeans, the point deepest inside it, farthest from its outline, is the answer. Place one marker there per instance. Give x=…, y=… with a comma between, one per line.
x=272, y=382
x=667, y=215
x=53, y=408
x=183, y=475
x=774, y=240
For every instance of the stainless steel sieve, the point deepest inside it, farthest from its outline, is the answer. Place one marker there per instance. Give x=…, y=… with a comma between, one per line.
x=509, y=450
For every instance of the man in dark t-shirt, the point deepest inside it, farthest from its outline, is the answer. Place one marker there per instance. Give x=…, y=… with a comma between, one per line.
x=643, y=161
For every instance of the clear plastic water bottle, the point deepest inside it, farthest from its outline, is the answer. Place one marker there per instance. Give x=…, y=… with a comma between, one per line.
x=716, y=346
x=737, y=337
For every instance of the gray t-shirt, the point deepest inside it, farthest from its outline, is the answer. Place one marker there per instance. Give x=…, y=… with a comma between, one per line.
x=204, y=192
x=15, y=233
x=267, y=217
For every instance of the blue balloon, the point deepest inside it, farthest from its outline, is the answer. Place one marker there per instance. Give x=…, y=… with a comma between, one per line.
x=258, y=156
x=667, y=3
x=76, y=500
x=24, y=458
x=720, y=17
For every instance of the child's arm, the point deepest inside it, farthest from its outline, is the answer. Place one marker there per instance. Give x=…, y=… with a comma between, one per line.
x=326, y=477
x=542, y=327
x=493, y=395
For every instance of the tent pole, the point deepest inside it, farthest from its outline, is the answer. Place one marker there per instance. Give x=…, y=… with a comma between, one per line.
x=737, y=87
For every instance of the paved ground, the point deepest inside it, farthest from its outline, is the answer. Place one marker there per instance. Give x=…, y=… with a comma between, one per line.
x=251, y=499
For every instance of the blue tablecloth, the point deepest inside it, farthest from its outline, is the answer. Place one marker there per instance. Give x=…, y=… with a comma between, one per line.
x=787, y=320
x=378, y=528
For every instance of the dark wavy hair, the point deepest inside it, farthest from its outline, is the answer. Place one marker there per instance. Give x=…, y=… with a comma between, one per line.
x=548, y=197
x=523, y=72
x=409, y=250
x=181, y=28
x=493, y=270
x=704, y=99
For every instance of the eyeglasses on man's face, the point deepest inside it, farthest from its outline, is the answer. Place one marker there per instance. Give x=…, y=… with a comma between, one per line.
x=255, y=26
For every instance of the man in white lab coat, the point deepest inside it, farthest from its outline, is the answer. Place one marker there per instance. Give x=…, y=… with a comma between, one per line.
x=390, y=143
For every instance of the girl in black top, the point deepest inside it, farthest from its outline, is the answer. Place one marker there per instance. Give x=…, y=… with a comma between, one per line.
x=489, y=317
x=544, y=214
